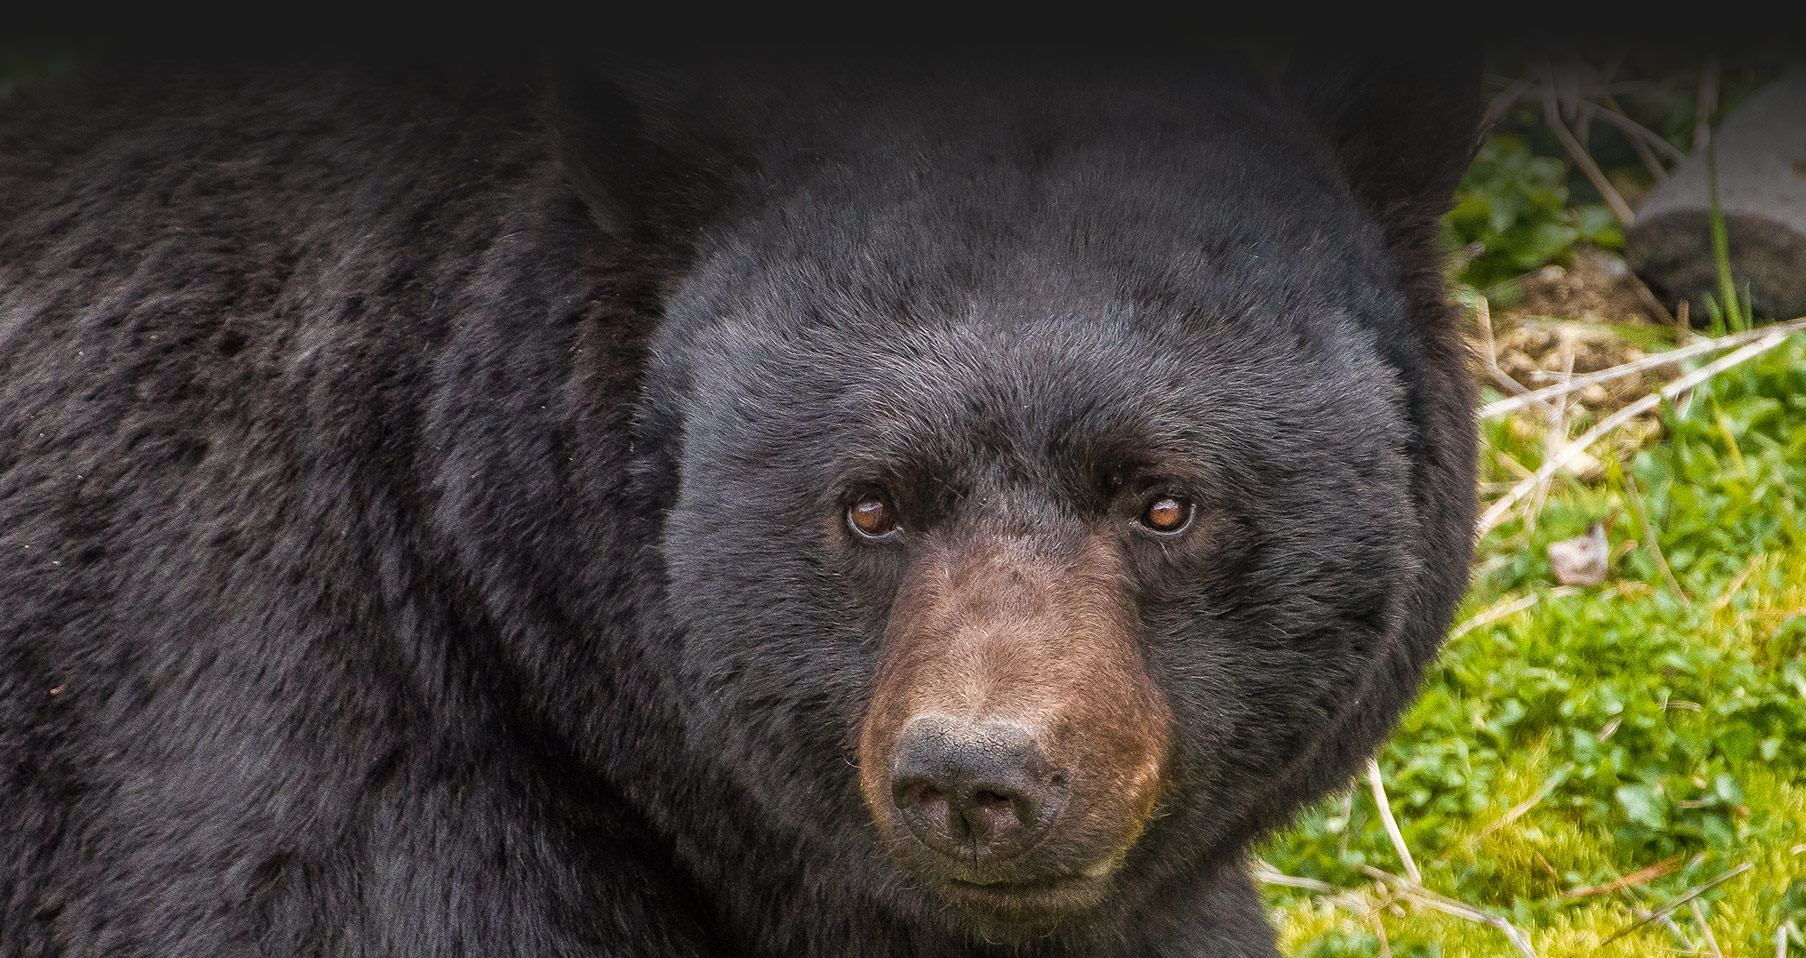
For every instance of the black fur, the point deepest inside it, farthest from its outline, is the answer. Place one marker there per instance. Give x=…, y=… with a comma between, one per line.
x=420, y=489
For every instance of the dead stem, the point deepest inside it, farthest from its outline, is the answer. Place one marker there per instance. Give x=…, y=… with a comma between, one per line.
x=1542, y=396
x=1378, y=785
x=1497, y=512
x=1449, y=906
x=1699, y=918
x=1685, y=897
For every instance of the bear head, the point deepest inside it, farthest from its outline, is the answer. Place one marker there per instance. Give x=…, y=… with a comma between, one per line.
x=1043, y=453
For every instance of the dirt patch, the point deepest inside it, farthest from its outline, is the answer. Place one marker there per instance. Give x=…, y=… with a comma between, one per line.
x=1572, y=320
x=1598, y=288
x=1592, y=316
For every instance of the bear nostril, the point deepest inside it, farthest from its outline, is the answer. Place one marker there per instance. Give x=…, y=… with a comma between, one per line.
x=963, y=787
x=985, y=798
x=993, y=814
x=916, y=793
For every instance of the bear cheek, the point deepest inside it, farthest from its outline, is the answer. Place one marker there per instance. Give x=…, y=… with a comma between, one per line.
x=1013, y=701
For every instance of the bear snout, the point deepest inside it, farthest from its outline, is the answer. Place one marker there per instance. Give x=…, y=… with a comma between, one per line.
x=1015, y=744
x=977, y=790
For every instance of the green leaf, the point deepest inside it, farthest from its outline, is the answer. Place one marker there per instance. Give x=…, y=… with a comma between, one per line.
x=1643, y=805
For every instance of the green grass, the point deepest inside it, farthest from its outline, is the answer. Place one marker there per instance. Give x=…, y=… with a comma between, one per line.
x=1660, y=728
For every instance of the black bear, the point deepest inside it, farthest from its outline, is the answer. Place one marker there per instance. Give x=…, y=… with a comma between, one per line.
x=876, y=505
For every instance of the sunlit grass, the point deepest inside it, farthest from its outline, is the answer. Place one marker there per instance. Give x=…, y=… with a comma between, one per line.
x=1624, y=739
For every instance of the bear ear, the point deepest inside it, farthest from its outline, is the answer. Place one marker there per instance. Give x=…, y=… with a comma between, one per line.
x=1404, y=123
x=638, y=145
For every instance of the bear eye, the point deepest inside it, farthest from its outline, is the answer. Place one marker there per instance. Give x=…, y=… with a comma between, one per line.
x=872, y=518
x=1167, y=515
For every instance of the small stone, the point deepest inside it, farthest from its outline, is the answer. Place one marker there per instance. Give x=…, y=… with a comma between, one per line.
x=1581, y=560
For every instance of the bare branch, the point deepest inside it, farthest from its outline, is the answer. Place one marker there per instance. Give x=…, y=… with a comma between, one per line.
x=1497, y=512
x=1578, y=151
x=1655, y=361
x=1449, y=906
x=1685, y=897
x=1392, y=831
x=1638, y=877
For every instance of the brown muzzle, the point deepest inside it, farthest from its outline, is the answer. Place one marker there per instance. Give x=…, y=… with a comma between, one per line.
x=1016, y=743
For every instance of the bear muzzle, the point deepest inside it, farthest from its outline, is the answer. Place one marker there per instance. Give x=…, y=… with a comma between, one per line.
x=1015, y=745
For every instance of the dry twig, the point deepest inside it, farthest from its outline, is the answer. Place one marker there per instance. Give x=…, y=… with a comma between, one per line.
x=1699, y=918
x=1494, y=613
x=1640, y=876
x=1558, y=428
x=1730, y=591
x=1342, y=898
x=1483, y=313
x=1501, y=104
x=1522, y=808
x=1685, y=897
x=1449, y=906
x=1378, y=785
x=1578, y=151
x=1497, y=512
x=1266, y=874
x=1654, y=361
x=1641, y=137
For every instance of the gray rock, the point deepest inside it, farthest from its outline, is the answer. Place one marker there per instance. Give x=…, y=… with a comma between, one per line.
x=1762, y=192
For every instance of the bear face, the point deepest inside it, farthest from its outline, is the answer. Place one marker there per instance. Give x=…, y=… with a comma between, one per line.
x=1036, y=510
x=1024, y=578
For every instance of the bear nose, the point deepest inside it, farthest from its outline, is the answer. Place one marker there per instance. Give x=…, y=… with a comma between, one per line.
x=974, y=789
